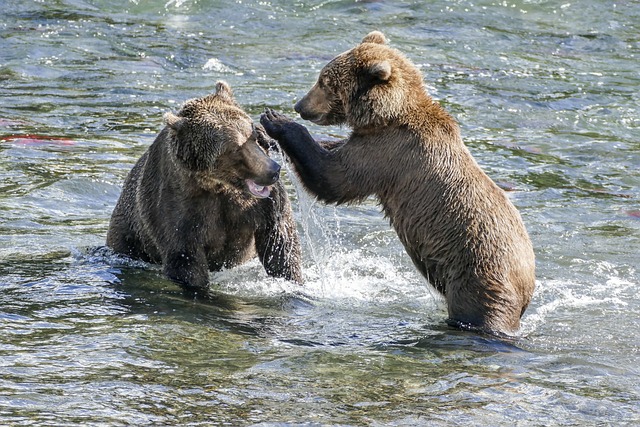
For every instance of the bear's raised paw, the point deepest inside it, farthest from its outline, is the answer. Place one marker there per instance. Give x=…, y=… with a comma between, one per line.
x=276, y=124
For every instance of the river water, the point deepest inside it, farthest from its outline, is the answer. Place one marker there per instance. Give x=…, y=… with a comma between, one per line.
x=547, y=96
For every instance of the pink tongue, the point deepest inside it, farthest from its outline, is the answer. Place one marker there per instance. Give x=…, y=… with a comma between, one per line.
x=258, y=190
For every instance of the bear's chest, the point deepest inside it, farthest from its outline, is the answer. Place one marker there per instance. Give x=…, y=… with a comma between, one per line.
x=229, y=237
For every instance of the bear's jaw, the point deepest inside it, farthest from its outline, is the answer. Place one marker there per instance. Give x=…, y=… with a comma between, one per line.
x=259, y=191
x=318, y=120
x=218, y=186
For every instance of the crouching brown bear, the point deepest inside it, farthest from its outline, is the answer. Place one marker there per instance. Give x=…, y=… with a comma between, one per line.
x=206, y=196
x=458, y=227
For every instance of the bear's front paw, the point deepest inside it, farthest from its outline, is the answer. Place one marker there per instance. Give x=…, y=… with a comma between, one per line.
x=186, y=271
x=276, y=124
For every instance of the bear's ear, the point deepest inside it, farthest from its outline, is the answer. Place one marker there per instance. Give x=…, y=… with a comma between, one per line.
x=380, y=71
x=375, y=37
x=224, y=90
x=173, y=121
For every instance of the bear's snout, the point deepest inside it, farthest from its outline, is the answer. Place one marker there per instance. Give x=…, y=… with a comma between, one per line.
x=260, y=185
x=314, y=106
x=299, y=107
x=272, y=173
x=302, y=107
x=260, y=171
x=306, y=115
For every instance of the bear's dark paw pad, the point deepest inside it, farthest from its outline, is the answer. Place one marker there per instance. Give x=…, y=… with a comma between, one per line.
x=274, y=123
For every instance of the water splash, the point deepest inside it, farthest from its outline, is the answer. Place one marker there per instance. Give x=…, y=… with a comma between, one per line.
x=217, y=66
x=350, y=276
x=177, y=3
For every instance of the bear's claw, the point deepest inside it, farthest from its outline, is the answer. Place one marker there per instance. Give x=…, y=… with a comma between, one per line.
x=274, y=123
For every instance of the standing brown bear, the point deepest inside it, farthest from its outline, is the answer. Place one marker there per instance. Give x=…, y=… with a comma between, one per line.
x=206, y=195
x=458, y=227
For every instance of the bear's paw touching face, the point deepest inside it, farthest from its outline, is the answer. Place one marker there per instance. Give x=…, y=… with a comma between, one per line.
x=217, y=142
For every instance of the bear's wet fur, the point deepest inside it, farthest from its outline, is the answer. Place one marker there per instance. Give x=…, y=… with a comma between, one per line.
x=459, y=228
x=206, y=196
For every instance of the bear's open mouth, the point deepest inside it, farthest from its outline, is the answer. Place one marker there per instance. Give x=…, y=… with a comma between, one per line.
x=260, y=191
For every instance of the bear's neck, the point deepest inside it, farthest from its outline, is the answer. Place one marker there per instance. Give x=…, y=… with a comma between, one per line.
x=421, y=114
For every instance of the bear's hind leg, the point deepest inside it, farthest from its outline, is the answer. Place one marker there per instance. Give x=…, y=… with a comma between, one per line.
x=492, y=316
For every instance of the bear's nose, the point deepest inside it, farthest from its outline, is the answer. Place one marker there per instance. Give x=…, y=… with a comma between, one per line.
x=305, y=112
x=300, y=109
x=275, y=172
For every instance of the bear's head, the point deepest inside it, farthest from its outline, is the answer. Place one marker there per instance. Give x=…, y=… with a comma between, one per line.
x=369, y=85
x=215, y=140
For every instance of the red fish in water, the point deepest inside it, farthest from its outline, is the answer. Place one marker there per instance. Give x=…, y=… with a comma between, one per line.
x=633, y=214
x=32, y=139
